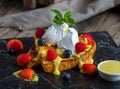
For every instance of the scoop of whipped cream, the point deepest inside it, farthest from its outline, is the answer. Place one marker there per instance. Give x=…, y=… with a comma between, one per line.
x=63, y=36
x=55, y=33
x=69, y=40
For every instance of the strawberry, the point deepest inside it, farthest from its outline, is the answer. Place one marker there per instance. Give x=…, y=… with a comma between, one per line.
x=89, y=69
x=80, y=47
x=89, y=38
x=15, y=44
x=51, y=54
x=26, y=73
x=39, y=33
x=23, y=59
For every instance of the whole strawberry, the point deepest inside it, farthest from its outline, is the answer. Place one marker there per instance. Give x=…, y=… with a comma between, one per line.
x=26, y=73
x=80, y=47
x=89, y=38
x=89, y=69
x=39, y=33
x=15, y=44
x=23, y=59
x=51, y=54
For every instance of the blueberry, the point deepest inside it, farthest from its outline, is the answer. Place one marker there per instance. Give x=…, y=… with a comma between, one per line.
x=41, y=41
x=67, y=53
x=11, y=51
x=66, y=77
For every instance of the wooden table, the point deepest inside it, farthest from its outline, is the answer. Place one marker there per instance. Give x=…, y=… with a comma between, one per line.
x=107, y=21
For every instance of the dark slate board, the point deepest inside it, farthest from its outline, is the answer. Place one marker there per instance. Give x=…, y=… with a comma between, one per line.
x=106, y=49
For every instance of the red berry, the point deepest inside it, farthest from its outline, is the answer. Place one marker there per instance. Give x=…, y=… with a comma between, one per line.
x=23, y=59
x=15, y=44
x=26, y=74
x=39, y=33
x=51, y=54
x=89, y=38
x=80, y=47
x=89, y=69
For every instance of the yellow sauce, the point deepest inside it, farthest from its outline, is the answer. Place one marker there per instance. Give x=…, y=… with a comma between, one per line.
x=112, y=67
x=56, y=65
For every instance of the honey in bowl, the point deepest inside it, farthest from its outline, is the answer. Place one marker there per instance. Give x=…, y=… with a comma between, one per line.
x=110, y=67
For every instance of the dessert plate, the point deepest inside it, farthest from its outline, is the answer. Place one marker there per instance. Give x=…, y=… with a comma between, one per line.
x=106, y=50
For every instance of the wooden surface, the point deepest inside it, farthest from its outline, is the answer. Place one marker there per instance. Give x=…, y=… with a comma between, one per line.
x=107, y=21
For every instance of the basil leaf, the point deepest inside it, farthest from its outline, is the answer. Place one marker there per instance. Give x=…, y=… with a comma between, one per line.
x=57, y=13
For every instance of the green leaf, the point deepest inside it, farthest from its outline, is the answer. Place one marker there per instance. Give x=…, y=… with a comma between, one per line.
x=58, y=13
x=57, y=20
x=71, y=22
x=68, y=14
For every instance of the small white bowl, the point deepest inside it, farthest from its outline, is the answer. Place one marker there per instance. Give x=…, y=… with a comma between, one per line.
x=109, y=70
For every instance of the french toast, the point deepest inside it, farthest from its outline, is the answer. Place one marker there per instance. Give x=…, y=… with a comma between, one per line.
x=65, y=64
x=60, y=48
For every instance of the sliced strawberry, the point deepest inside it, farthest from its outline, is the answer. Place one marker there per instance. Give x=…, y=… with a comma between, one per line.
x=89, y=38
x=39, y=33
x=89, y=69
x=51, y=54
x=15, y=44
x=80, y=47
x=23, y=59
x=26, y=74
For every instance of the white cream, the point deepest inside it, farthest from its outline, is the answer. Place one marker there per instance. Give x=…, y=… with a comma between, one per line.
x=69, y=40
x=55, y=33
x=63, y=36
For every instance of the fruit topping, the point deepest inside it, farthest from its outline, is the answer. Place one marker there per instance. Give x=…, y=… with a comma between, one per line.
x=80, y=47
x=26, y=74
x=66, y=77
x=23, y=59
x=51, y=54
x=89, y=38
x=15, y=44
x=89, y=69
x=67, y=53
x=11, y=51
x=41, y=41
x=39, y=33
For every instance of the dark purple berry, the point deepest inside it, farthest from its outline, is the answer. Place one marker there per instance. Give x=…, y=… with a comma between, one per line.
x=41, y=41
x=10, y=51
x=66, y=77
x=67, y=53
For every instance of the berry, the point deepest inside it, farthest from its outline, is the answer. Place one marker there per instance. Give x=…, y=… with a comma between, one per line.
x=66, y=77
x=89, y=69
x=26, y=74
x=11, y=51
x=39, y=33
x=80, y=47
x=15, y=44
x=89, y=38
x=41, y=41
x=67, y=53
x=23, y=59
x=51, y=54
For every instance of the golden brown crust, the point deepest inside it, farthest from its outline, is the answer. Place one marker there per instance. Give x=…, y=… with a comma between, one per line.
x=65, y=64
x=68, y=63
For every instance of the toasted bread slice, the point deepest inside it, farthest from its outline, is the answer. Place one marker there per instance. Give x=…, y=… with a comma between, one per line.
x=39, y=58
